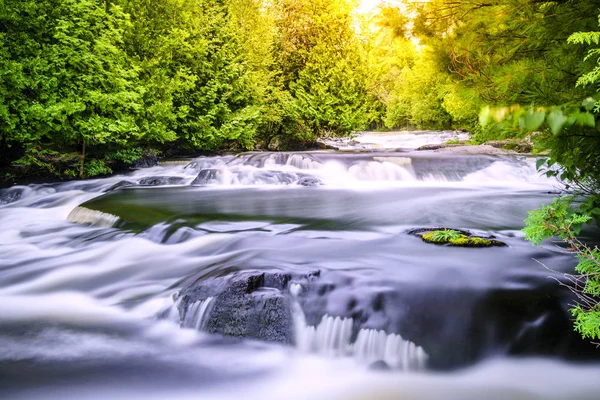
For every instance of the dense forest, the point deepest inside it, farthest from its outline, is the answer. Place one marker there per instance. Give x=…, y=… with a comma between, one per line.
x=88, y=84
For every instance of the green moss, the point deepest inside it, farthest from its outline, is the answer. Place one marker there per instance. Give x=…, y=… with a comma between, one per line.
x=455, y=238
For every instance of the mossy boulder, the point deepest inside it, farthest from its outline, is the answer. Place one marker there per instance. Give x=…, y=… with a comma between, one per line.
x=452, y=237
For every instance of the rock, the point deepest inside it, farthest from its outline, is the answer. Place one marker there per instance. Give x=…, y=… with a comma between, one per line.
x=431, y=147
x=454, y=237
x=160, y=181
x=120, y=185
x=206, y=176
x=249, y=304
x=149, y=159
x=274, y=144
x=309, y=181
x=10, y=195
x=518, y=145
x=379, y=366
x=479, y=149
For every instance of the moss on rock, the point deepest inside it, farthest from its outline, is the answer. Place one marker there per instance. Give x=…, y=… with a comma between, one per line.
x=455, y=238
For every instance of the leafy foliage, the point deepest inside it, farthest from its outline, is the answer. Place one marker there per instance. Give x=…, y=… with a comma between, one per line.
x=559, y=220
x=445, y=235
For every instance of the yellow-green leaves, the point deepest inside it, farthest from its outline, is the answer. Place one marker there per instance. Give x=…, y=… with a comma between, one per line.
x=532, y=120
x=556, y=120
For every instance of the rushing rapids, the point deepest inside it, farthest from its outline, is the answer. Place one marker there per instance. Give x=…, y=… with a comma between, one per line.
x=291, y=274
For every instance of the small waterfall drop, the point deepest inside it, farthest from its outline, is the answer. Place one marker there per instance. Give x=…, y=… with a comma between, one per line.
x=380, y=171
x=197, y=314
x=333, y=337
x=100, y=219
x=372, y=345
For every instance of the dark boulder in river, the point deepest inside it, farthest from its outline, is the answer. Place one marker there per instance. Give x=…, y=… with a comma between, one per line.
x=248, y=304
x=454, y=327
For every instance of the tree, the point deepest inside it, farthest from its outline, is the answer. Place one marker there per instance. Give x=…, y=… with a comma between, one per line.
x=67, y=81
x=320, y=66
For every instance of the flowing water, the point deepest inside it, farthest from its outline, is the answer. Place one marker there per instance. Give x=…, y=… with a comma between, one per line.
x=139, y=285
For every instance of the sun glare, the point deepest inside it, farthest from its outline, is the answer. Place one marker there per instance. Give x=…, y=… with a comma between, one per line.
x=367, y=6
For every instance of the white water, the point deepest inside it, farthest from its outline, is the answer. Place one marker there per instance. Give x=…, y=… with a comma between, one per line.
x=197, y=314
x=359, y=173
x=332, y=338
x=395, y=140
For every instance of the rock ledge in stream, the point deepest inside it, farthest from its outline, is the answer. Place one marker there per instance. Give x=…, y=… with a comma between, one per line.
x=454, y=237
x=249, y=304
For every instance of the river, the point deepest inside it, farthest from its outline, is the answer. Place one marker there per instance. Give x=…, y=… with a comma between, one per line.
x=289, y=276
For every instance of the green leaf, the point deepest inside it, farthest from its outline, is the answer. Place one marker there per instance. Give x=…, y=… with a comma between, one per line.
x=589, y=103
x=556, y=120
x=485, y=116
x=585, y=119
x=533, y=120
x=539, y=163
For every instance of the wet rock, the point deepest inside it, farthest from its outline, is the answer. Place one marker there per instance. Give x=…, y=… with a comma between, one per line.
x=120, y=185
x=249, y=304
x=10, y=195
x=206, y=176
x=456, y=325
x=160, y=181
x=431, y=147
x=309, y=181
x=149, y=159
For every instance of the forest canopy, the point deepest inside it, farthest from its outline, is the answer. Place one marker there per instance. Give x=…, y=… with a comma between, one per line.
x=88, y=84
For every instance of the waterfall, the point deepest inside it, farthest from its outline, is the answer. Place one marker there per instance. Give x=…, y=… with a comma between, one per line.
x=84, y=215
x=197, y=313
x=372, y=345
x=333, y=337
x=380, y=171
x=172, y=314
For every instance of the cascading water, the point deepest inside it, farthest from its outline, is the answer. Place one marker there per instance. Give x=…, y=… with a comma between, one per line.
x=84, y=215
x=197, y=314
x=88, y=270
x=333, y=337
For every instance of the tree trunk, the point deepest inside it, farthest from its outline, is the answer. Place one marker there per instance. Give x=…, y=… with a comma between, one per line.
x=82, y=162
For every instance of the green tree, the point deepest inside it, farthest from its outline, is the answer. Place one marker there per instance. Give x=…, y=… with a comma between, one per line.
x=320, y=69
x=67, y=81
